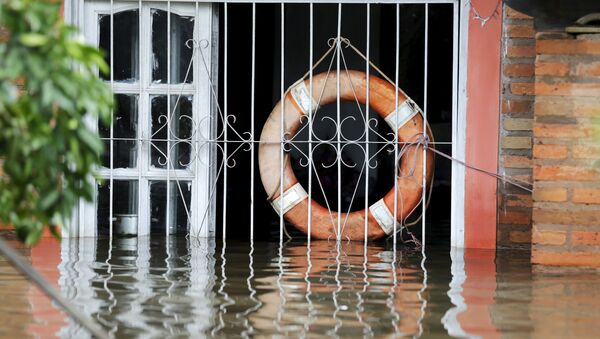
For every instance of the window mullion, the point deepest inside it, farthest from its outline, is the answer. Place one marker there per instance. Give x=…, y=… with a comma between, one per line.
x=144, y=120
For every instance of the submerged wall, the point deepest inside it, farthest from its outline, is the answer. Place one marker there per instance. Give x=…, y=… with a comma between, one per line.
x=566, y=153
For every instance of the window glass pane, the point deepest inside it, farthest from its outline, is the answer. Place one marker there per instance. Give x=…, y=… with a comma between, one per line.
x=158, y=142
x=182, y=30
x=106, y=155
x=102, y=207
x=180, y=198
x=126, y=44
x=181, y=129
x=125, y=154
x=125, y=127
x=125, y=206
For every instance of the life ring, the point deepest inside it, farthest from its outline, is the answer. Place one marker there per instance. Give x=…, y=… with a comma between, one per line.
x=407, y=119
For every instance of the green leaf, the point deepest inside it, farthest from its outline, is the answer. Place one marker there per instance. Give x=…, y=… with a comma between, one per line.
x=33, y=39
x=48, y=200
x=91, y=140
x=54, y=231
x=33, y=236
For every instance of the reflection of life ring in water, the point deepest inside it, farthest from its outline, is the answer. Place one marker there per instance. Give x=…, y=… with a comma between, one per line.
x=382, y=99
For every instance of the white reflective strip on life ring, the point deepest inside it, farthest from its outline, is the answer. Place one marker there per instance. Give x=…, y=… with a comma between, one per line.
x=302, y=97
x=401, y=115
x=383, y=216
x=292, y=197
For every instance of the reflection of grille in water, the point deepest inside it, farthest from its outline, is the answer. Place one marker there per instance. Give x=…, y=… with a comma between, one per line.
x=196, y=287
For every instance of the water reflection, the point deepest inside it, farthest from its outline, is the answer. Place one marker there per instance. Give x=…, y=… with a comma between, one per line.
x=157, y=287
x=175, y=287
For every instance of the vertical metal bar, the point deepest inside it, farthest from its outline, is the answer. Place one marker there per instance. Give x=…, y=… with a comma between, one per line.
x=112, y=87
x=225, y=121
x=252, y=92
x=338, y=125
x=195, y=220
x=396, y=124
x=168, y=196
x=424, y=197
x=367, y=110
x=282, y=124
x=139, y=130
x=111, y=185
x=310, y=118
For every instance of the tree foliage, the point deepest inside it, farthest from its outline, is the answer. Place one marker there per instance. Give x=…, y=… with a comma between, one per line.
x=48, y=88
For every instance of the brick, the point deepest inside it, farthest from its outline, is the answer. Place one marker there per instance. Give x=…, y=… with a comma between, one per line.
x=585, y=238
x=520, y=51
x=568, y=47
x=523, y=178
x=514, y=218
x=520, y=237
x=520, y=31
x=516, y=142
x=550, y=151
x=543, y=237
x=588, y=69
x=566, y=173
x=552, y=35
x=586, y=152
x=522, y=88
x=561, y=131
x=519, y=200
x=518, y=70
x=552, y=107
x=551, y=68
x=581, y=259
x=560, y=217
x=514, y=14
x=586, y=195
x=565, y=106
x=567, y=89
x=517, y=161
x=589, y=109
x=513, y=124
x=516, y=106
x=547, y=194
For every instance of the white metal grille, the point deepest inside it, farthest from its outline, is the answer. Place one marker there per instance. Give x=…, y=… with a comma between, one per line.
x=212, y=132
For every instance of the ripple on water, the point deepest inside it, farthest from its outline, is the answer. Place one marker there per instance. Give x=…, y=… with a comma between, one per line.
x=159, y=287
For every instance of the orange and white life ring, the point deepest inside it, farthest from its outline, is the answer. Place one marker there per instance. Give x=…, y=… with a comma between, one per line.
x=382, y=98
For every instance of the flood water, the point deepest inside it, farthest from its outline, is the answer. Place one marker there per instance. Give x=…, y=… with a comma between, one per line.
x=158, y=287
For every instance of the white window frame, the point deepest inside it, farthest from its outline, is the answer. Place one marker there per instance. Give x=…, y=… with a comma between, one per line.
x=84, y=14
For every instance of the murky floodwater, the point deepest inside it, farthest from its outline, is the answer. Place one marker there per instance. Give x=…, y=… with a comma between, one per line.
x=178, y=288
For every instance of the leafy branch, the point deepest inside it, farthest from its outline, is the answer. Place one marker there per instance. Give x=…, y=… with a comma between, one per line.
x=49, y=88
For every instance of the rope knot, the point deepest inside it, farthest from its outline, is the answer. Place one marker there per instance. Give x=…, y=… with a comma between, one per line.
x=424, y=140
x=338, y=41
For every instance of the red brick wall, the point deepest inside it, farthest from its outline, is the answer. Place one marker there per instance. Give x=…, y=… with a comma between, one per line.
x=566, y=152
x=516, y=118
